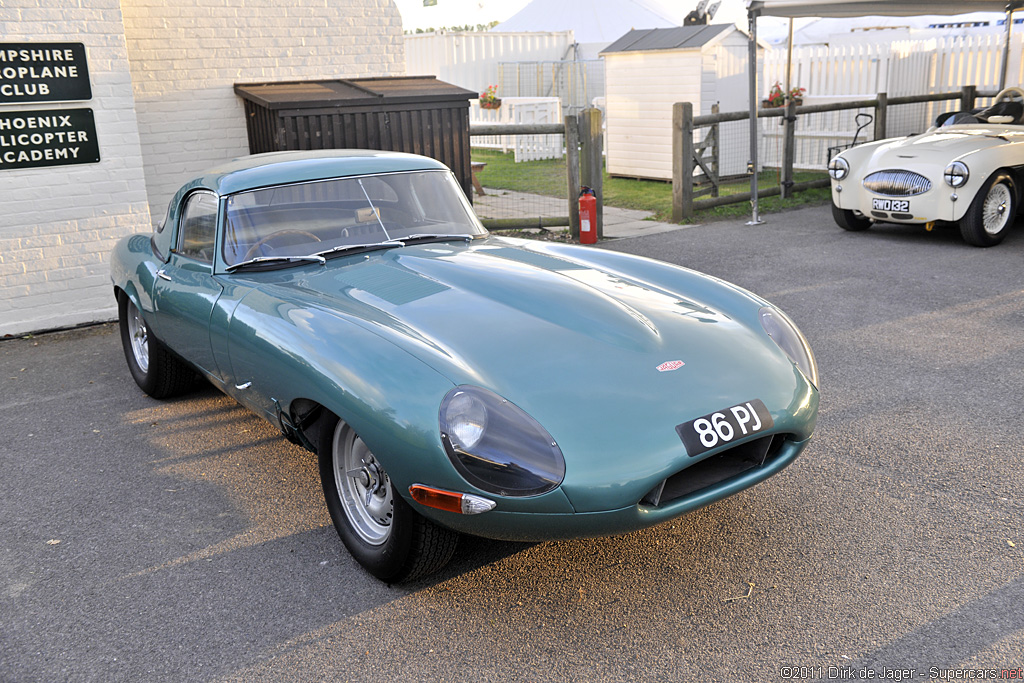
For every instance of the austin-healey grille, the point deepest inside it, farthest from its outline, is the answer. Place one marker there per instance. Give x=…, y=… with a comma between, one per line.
x=894, y=183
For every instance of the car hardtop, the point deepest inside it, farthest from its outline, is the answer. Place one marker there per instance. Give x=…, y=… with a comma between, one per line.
x=270, y=169
x=280, y=168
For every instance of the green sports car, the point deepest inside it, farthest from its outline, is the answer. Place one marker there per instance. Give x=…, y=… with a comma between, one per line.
x=451, y=381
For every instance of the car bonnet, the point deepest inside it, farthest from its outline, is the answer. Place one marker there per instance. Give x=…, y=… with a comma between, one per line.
x=937, y=149
x=609, y=362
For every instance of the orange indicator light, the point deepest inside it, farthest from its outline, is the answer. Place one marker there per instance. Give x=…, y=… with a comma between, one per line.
x=450, y=501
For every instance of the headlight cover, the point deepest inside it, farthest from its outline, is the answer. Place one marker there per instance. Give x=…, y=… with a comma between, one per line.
x=838, y=168
x=496, y=446
x=956, y=174
x=784, y=333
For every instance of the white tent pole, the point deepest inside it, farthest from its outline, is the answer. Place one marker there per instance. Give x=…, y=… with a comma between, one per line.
x=755, y=219
x=1006, y=49
x=789, y=58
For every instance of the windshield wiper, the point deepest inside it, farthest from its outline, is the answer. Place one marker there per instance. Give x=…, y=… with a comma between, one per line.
x=262, y=260
x=342, y=248
x=434, y=237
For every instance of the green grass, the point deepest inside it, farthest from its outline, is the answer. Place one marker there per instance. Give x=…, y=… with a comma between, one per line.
x=547, y=177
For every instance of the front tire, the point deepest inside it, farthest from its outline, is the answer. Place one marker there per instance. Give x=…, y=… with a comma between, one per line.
x=153, y=367
x=991, y=214
x=848, y=220
x=381, y=531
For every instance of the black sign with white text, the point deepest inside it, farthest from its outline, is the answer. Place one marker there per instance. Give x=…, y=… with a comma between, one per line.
x=43, y=72
x=48, y=137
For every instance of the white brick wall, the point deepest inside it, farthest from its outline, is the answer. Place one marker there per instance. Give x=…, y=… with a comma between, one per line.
x=185, y=61
x=58, y=224
x=162, y=74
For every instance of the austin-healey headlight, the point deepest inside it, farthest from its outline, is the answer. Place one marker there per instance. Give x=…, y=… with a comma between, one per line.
x=956, y=174
x=784, y=333
x=838, y=168
x=496, y=446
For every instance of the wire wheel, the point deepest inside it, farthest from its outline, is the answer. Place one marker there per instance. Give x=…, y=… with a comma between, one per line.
x=995, y=212
x=363, y=487
x=990, y=216
x=138, y=334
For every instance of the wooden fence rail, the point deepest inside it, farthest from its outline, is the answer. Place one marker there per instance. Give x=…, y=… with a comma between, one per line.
x=583, y=161
x=690, y=166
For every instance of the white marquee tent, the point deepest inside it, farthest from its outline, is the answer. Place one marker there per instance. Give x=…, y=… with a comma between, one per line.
x=595, y=23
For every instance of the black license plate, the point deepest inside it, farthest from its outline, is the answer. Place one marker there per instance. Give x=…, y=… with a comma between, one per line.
x=724, y=426
x=897, y=205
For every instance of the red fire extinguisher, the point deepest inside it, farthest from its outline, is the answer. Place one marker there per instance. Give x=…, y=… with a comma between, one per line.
x=588, y=216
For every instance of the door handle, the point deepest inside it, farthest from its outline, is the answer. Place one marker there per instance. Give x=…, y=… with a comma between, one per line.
x=162, y=274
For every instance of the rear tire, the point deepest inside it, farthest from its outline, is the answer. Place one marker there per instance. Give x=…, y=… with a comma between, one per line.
x=848, y=220
x=381, y=531
x=991, y=214
x=154, y=368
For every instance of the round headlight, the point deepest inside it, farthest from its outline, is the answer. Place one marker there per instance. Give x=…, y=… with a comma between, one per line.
x=496, y=446
x=956, y=174
x=784, y=333
x=467, y=419
x=838, y=168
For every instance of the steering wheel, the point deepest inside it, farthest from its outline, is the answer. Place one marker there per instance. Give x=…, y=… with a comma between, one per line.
x=283, y=238
x=1006, y=93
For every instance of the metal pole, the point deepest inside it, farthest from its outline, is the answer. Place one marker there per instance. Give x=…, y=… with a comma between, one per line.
x=755, y=219
x=572, y=163
x=789, y=59
x=1006, y=49
x=788, y=148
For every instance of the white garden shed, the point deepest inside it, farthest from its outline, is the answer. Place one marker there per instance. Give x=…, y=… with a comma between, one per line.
x=647, y=71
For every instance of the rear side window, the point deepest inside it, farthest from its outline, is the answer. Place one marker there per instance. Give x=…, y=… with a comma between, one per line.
x=198, y=227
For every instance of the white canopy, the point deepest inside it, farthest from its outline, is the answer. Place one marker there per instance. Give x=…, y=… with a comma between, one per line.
x=857, y=8
x=853, y=8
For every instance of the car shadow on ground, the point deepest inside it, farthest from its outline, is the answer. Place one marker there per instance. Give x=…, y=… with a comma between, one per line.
x=941, y=233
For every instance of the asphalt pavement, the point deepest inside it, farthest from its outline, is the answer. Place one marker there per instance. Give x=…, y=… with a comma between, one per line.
x=186, y=541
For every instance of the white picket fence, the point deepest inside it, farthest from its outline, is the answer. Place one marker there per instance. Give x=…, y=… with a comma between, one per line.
x=520, y=110
x=471, y=59
x=860, y=71
x=906, y=67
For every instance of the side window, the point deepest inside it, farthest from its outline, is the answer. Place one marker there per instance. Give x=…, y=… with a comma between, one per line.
x=198, y=227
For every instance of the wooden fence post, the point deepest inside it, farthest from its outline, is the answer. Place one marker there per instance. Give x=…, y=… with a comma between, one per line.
x=880, y=112
x=788, y=148
x=682, y=161
x=592, y=160
x=716, y=153
x=572, y=164
x=968, y=93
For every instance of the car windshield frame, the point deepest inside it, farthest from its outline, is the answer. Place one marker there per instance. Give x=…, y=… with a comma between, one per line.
x=294, y=223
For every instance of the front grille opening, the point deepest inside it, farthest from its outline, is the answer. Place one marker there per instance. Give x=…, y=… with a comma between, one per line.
x=716, y=469
x=897, y=183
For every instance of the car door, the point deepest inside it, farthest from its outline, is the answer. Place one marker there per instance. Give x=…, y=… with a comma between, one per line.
x=185, y=290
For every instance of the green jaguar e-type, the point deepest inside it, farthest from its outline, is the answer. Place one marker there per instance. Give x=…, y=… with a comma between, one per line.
x=449, y=380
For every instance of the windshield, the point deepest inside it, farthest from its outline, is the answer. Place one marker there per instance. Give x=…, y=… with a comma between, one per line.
x=306, y=219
